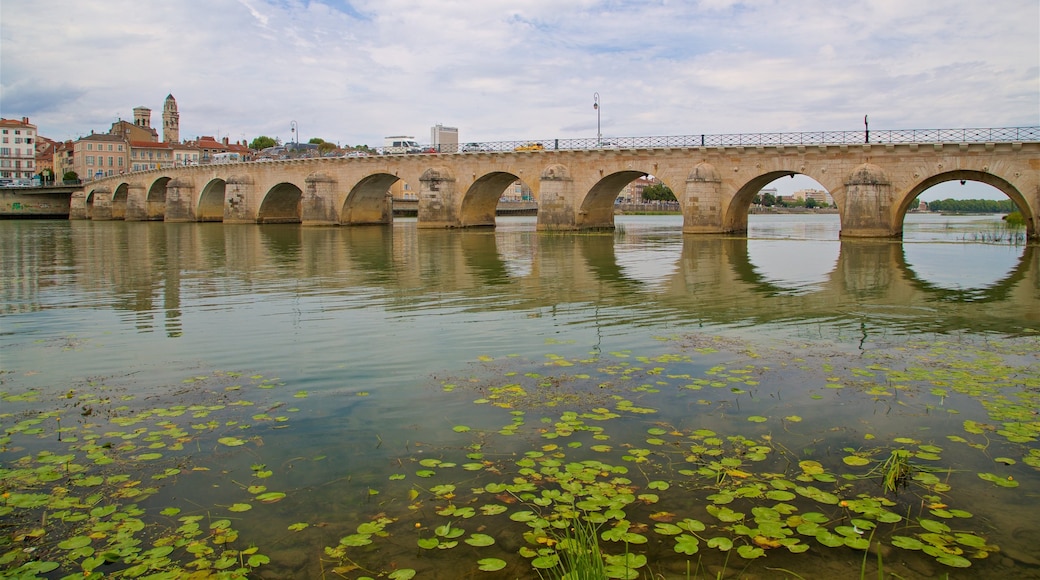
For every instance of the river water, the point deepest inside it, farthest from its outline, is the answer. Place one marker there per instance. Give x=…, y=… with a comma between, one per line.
x=400, y=385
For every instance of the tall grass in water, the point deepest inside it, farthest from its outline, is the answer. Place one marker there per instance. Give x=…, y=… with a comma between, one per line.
x=580, y=556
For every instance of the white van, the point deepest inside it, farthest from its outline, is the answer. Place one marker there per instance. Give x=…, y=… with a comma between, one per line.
x=400, y=144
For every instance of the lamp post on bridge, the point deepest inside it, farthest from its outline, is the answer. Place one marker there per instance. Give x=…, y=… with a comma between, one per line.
x=294, y=128
x=866, y=130
x=595, y=105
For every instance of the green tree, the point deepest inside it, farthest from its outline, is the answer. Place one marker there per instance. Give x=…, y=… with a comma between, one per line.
x=262, y=142
x=70, y=176
x=810, y=202
x=972, y=205
x=316, y=141
x=658, y=192
x=768, y=200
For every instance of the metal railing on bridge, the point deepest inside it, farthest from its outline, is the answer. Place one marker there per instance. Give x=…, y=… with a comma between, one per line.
x=884, y=136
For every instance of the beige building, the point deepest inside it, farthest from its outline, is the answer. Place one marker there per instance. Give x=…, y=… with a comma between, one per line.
x=98, y=155
x=145, y=155
x=818, y=195
x=444, y=139
x=17, y=150
x=63, y=160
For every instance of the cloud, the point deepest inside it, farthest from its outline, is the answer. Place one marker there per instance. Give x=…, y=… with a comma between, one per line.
x=354, y=71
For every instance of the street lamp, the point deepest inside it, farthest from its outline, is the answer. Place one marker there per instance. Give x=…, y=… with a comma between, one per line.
x=294, y=128
x=595, y=105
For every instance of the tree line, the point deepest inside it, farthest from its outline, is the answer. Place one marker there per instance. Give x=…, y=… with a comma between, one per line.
x=971, y=205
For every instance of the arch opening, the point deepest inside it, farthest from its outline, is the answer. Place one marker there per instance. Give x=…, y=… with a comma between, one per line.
x=781, y=192
x=281, y=205
x=480, y=202
x=968, y=191
x=370, y=201
x=119, y=197
x=211, y=202
x=597, y=208
x=155, y=200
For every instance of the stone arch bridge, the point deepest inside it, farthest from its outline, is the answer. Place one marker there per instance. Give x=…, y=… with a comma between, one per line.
x=873, y=184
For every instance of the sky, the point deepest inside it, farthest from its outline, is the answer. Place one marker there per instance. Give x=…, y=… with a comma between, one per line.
x=354, y=71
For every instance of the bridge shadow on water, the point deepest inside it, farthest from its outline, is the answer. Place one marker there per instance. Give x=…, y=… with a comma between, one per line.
x=717, y=279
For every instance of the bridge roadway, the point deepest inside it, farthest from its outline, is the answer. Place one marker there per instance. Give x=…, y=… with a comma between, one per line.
x=873, y=184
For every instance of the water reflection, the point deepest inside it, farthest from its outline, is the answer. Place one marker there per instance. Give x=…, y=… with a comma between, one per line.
x=148, y=271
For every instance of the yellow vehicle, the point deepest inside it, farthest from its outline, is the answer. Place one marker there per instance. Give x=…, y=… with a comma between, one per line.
x=530, y=147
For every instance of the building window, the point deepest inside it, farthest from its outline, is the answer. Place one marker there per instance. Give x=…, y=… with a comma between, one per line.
x=90, y=159
x=90, y=146
x=120, y=161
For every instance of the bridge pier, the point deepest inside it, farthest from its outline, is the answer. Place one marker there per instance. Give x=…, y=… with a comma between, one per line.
x=240, y=205
x=319, y=200
x=867, y=205
x=702, y=201
x=438, y=206
x=556, y=202
x=180, y=201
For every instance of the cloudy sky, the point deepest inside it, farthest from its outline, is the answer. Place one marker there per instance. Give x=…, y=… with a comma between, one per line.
x=354, y=71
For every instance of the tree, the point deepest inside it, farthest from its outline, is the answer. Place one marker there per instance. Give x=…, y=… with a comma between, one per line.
x=658, y=192
x=768, y=200
x=70, y=176
x=262, y=142
x=810, y=202
x=316, y=141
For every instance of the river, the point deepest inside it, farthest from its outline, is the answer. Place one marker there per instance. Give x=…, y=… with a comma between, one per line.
x=284, y=401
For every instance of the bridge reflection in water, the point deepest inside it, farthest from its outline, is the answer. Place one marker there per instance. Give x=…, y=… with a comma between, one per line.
x=149, y=269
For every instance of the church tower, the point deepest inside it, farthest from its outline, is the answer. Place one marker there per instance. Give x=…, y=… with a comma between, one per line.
x=171, y=121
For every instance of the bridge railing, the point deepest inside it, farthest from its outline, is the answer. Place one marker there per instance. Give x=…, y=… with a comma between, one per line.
x=896, y=136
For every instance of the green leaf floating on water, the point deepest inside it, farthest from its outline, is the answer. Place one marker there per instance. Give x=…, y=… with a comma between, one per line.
x=1001, y=481
x=491, y=564
x=480, y=540
x=270, y=497
x=231, y=441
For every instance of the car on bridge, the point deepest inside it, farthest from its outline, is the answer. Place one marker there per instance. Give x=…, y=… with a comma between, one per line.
x=472, y=148
x=530, y=147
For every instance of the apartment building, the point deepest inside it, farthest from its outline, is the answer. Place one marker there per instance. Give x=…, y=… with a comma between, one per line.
x=17, y=150
x=100, y=155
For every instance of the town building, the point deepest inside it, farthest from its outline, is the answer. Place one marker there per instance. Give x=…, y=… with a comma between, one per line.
x=63, y=160
x=444, y=139
x=819, y=196
x=145, y=155
x=45, y=149
x=17, y=151
x=99, y=155
x=171, y=121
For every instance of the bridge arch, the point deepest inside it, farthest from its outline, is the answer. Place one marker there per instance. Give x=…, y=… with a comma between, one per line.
x=735, y=218
x=155, y=200
x=211, y=201
x=281, y=205
x=368, y=202
x=117, y=205
x=481, y=200
x=990, y=179
x=597, y=207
